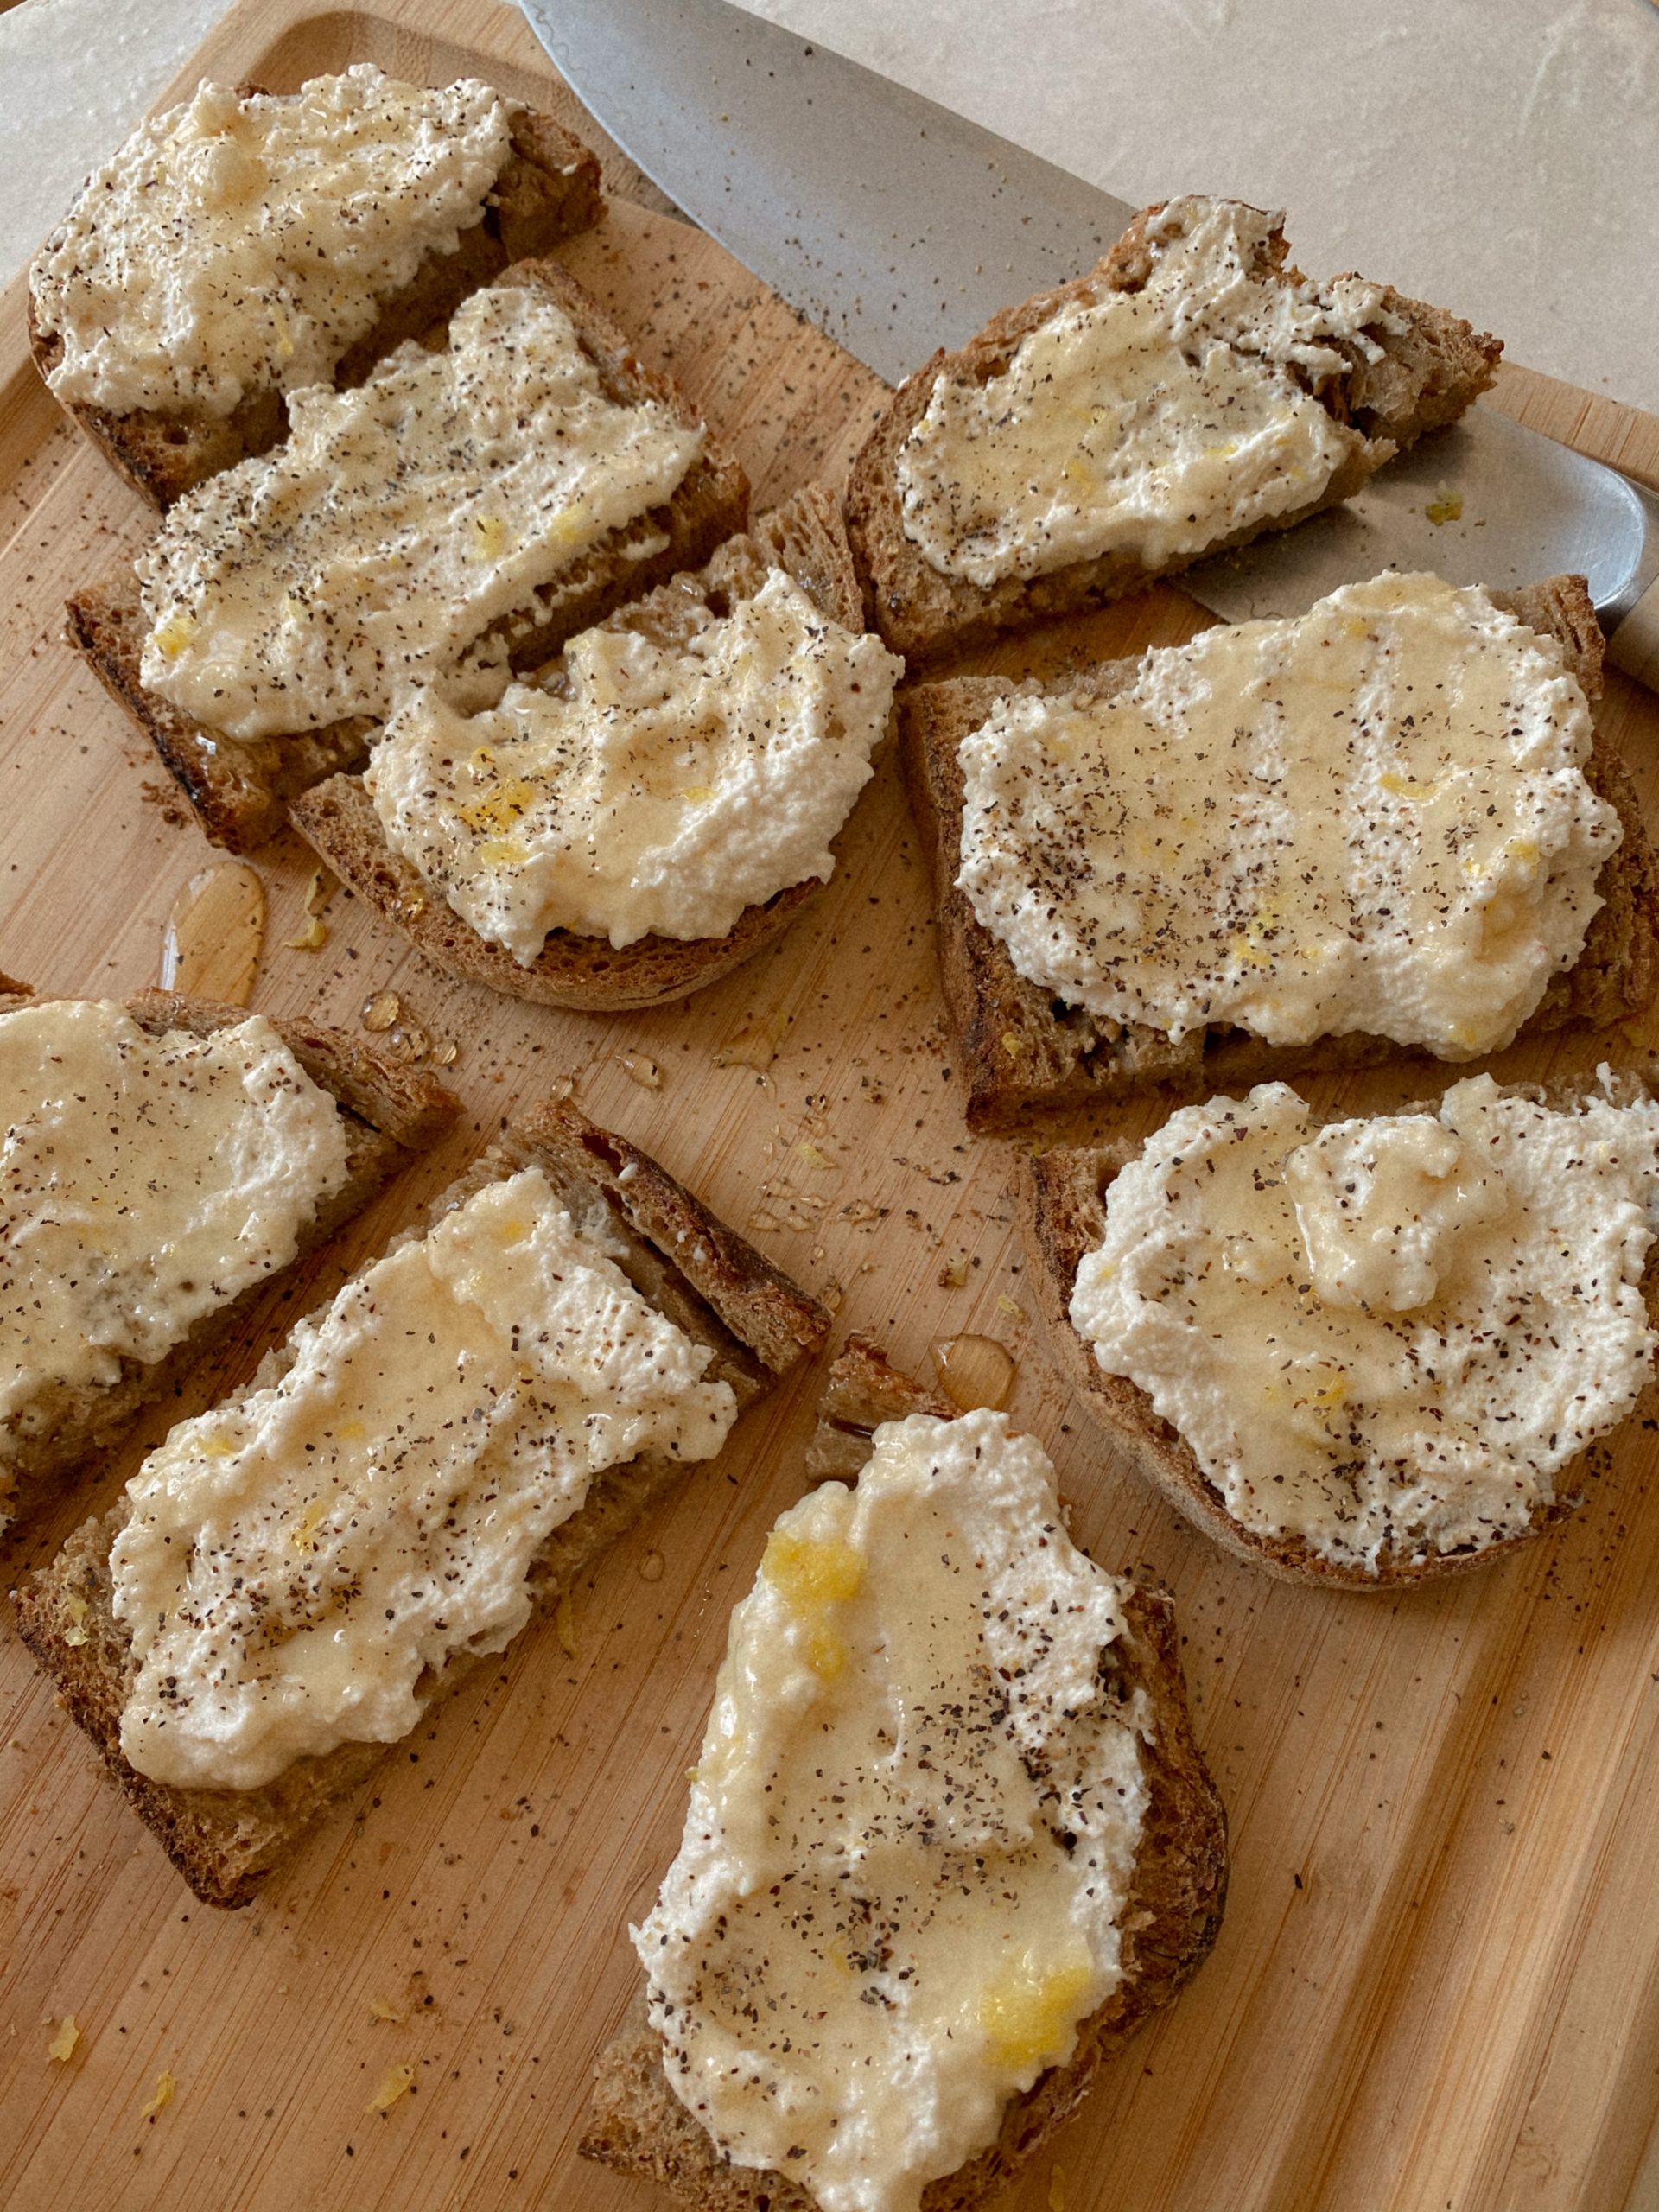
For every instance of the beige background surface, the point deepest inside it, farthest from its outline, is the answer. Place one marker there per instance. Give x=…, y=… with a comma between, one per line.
x=1505, y=156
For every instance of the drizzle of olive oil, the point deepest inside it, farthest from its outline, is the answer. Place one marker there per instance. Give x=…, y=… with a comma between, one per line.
x=215, y=934
x=974, y=1371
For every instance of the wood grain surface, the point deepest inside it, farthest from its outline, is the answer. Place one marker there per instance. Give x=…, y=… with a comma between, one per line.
x=1436, y=1986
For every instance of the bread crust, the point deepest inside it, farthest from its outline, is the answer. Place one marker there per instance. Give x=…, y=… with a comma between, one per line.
x=804, y=536
x=757, y=1323
x=239, y=788
x=1432, y=366
x=1026, y=1057
x=635, y=2123
x=1059, y=1200
x=391, y=1112
x=548, y=190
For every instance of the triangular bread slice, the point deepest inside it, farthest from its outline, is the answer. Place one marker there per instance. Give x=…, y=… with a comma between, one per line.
x=1432, y=365
x=548, y=191
x=1060, y=1206
x=391, y=1112
x=1026, y=1058
x=690, y=1267
x=239, y=787
x=635, y=2122
x=805, y=537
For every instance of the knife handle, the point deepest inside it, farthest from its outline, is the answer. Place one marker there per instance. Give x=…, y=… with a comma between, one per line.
x=1634, y=645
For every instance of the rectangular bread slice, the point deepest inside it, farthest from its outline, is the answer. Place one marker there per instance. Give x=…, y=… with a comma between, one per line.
x=1432, y=365
x=239, y=787
x=690, y=1266
x=638, y=2126
x=548, y=191
x=804, y=536
x=1025, y=1056
x=390, y=1113
x=1060, y=1206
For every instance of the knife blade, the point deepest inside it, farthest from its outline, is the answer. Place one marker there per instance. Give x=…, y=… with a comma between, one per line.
x=898, y=226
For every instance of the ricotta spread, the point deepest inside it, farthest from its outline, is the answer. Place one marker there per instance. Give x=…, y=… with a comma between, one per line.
x=912, y=1828
x=660, y=786
x=299, y=1564
x=1387, y=1337
x=242, y=243
x=397, y=521
x=1150, y=424
x=144, y=1182
x=1373, y=816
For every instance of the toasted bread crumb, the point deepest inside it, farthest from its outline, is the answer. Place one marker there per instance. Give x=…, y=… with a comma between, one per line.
x=395, y=2082
x=166, y=2088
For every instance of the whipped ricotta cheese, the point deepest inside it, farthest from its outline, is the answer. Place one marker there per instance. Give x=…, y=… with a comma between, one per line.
x=660, y=785
x=912, y=1828
x=1150, y=423
x=144, y=1182
x=1373, y=816
x=397, y=521
x=241, y=243
x=298, y=1566
x=1388, y=1336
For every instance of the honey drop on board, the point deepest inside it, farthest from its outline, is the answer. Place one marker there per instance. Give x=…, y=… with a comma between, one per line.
x=974, y=1371
x=215, y=934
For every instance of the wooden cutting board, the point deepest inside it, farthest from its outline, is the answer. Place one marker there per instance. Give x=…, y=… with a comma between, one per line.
x=1436, y=1985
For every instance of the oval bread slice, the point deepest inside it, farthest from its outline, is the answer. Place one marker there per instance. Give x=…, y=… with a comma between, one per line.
x=636, y=2124
x=804, y=536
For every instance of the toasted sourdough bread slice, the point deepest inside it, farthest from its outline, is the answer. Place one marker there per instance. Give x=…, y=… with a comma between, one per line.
x=1060, y=1206
x=1432, y=367
x=690, y=1266
x=239, y=787
x=1025, y=1054
x=637, y=2124
x=548, y=191
x=390, y=1111
x=805, y=537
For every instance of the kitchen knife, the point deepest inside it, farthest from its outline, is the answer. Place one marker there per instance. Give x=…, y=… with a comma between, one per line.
x=897, y=227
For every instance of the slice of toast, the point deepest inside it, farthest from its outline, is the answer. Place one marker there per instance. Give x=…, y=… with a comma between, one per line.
x=391, y=1112
x=548, y=191
x=1027, y=1056
x=1431, y=366
x=1060, y=1205
x=805, y=537
x=239, y=787
x=694, y=1270
x=635, y=2123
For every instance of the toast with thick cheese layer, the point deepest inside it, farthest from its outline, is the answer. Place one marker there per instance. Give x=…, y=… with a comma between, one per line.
x=391, y=1111
x=1027, y=1056
x=805, y=537
x=689, y=1266
x=636, y=2124
x=239, y=787
x=1418, y=368
x=548, y=191
x=1060, y=1208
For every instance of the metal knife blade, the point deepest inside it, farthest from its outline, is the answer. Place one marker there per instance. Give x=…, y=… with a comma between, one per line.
x=897, y=227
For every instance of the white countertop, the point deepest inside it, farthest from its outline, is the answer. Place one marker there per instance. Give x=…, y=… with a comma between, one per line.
x=1500, y=160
